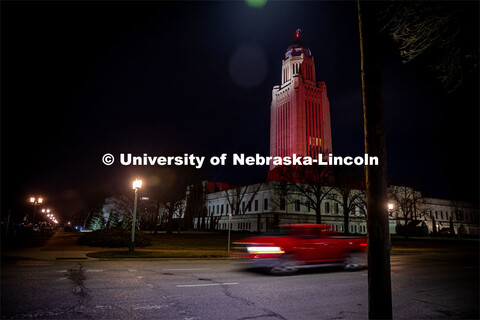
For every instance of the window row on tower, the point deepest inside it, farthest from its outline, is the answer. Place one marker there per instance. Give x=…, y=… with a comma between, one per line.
x=309, y=72
x=283, y=134
x=313, y=117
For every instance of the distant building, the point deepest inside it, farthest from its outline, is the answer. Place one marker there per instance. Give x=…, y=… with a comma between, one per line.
x=261, y=207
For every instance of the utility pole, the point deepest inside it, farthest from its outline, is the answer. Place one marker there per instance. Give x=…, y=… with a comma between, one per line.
x=379, y=281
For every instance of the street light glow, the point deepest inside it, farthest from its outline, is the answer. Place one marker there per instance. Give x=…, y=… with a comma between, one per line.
x=40, y=200
x=390, y=206
x=137, y=184
x=32, y=200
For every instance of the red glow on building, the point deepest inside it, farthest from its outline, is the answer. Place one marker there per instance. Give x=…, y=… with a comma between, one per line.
x=300, y=110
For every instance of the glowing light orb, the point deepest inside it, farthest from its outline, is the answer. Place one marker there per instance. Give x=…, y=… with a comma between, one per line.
x=256, y=3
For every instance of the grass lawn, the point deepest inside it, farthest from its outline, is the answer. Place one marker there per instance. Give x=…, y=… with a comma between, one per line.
x=148, y=254
x=195, y=241
x=184, y=245
x=25, y=240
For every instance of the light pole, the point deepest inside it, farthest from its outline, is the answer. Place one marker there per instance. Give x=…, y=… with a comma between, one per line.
x=137, y=184
x=35, y=201
x=390, y=207
x=229, y=224
x=47, y=212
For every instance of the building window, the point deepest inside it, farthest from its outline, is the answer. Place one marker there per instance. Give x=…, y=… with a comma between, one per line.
x=436, y=215
x=327, y=207
x=336, y=207
x=441, y=215
x=307, y=204
x=297, y=205
x=256, y=205
x=282, y=203
x=265, y=204
x=249, y=207
x=221, y=208
x=243, y=206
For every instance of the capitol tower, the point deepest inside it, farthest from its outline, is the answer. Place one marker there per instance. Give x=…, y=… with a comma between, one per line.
x=300, y=111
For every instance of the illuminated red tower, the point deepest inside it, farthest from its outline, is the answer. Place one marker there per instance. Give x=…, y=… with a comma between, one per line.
x=300, y=111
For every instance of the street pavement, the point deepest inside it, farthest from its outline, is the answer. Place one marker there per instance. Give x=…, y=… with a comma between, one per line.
x=434, y=285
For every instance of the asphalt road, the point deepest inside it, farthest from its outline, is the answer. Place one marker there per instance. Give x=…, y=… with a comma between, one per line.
x=425, y=286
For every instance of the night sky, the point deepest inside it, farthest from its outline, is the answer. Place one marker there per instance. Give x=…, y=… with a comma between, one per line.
x=83, y=79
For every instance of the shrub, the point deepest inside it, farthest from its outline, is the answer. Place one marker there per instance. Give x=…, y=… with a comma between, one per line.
x=115, y=238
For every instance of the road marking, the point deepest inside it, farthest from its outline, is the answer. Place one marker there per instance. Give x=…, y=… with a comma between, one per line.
x=61, y=271
x=186, y=269
x=139, y=277
x=149, y=285
x=94, y=270
x=149, y=307
x=205, y=284
x=132, y=270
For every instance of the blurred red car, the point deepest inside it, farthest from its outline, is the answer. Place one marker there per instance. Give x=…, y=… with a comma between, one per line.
x=298, y=246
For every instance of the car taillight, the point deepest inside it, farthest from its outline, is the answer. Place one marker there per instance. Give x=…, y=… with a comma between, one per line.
x=363, y=244
x=264, y=250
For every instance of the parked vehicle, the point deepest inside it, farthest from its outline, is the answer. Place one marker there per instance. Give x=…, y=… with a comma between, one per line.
x=294, y=247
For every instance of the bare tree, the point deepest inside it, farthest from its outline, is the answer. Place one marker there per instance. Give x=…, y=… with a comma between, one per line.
x=171, y=193
x=433, y=31
x=172, y=209
x=117, y=211
x=347, y=194
x=408, y=205
x=235, y=198
x=195, y=206
x=313, y=183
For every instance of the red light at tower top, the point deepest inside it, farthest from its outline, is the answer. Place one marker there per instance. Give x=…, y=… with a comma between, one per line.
x=298, y=33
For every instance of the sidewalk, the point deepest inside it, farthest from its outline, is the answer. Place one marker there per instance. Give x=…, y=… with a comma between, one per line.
x=61, y=246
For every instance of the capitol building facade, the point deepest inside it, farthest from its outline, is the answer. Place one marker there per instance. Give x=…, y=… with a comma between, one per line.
x=300, y=125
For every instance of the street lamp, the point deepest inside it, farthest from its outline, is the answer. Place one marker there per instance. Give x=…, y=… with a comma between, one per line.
x=35, y=201
x=229, y=224
x=137, y=184
x=390, y=207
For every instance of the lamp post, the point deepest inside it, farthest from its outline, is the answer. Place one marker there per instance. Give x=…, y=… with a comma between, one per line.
x=47, y=212
x=137, y=184
x=35, y=201
x=390, y=207
x=229, y=224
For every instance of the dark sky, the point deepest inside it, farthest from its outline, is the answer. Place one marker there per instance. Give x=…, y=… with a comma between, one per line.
x=83, y=79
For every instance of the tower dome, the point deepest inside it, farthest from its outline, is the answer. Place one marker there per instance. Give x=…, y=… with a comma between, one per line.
x=298, y=46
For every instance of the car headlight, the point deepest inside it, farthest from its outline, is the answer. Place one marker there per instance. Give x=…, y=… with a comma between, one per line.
x=256, y=250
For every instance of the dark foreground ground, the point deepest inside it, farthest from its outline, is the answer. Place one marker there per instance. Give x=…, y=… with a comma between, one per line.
x=426, y=285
